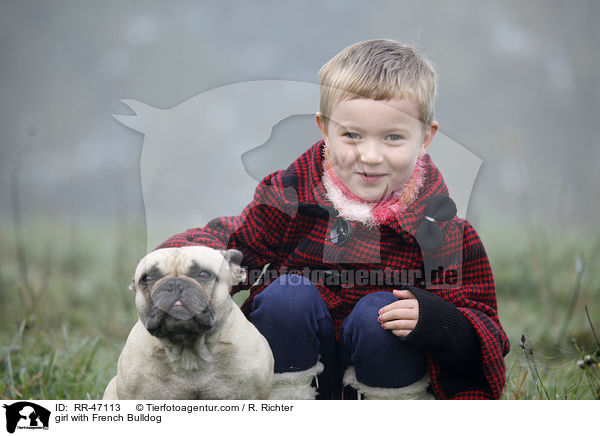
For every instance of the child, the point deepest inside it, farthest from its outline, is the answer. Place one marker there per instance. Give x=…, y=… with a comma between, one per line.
x=374, y=286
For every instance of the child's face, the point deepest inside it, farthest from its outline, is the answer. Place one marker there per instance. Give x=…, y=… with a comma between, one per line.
x=375, y=144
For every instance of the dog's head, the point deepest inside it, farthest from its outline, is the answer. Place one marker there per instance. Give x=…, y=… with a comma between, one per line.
x=181, y=293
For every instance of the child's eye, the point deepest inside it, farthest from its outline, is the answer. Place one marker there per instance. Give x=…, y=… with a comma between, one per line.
x=394, y=137
x=351, y=135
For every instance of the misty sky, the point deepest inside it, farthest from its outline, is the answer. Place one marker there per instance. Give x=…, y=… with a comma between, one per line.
x=518, y=86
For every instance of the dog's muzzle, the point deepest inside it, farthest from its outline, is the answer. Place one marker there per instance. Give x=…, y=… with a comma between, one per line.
x=179, y=310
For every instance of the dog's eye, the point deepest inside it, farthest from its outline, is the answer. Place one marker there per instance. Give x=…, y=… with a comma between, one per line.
x=205, y=275
x=145, y=279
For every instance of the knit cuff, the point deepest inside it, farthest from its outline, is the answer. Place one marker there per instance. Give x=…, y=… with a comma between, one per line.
x=444, y=332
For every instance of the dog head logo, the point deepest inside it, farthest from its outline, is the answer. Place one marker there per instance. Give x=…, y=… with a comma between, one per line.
x=203, y=158
x=26, y=415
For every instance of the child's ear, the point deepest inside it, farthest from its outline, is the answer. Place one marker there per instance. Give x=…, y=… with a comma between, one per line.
x=428, y=137
x=322, y=124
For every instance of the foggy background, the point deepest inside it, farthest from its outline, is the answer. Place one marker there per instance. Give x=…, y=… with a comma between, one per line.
x=518, y=87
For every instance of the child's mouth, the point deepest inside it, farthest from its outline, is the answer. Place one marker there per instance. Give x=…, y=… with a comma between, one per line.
x=371, y=178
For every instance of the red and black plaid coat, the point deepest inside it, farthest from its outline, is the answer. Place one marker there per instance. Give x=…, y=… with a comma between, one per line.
x=288, y=226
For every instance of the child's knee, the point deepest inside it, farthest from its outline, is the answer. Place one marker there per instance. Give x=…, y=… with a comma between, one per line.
x=292, y=302
x=289, y=294
x=379, y=357
x=292, y=316
x=365, y=313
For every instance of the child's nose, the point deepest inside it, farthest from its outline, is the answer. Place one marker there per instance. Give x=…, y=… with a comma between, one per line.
x=370, y=153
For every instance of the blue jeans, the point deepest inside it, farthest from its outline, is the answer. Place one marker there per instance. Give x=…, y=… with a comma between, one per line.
x=292, y=316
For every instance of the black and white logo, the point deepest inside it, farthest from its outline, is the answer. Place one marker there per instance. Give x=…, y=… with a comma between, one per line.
x=26, y=415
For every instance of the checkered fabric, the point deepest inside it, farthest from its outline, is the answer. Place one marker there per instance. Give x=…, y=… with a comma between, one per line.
x=289, y=223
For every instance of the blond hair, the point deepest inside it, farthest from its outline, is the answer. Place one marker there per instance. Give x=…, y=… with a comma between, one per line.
x=379, y=69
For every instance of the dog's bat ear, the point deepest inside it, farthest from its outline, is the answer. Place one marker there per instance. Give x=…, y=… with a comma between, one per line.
x=233, y=256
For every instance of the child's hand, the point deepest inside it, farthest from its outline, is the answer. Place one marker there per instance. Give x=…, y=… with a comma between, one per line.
x=400, y=316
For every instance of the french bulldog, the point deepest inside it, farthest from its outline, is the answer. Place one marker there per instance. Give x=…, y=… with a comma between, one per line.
x=191, y=340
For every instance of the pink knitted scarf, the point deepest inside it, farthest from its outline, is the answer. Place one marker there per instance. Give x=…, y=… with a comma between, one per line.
x=370, y=213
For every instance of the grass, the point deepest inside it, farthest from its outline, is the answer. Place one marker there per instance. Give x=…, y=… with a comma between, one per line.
x=65, y=310
x=548, y=285
x=40, y=367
